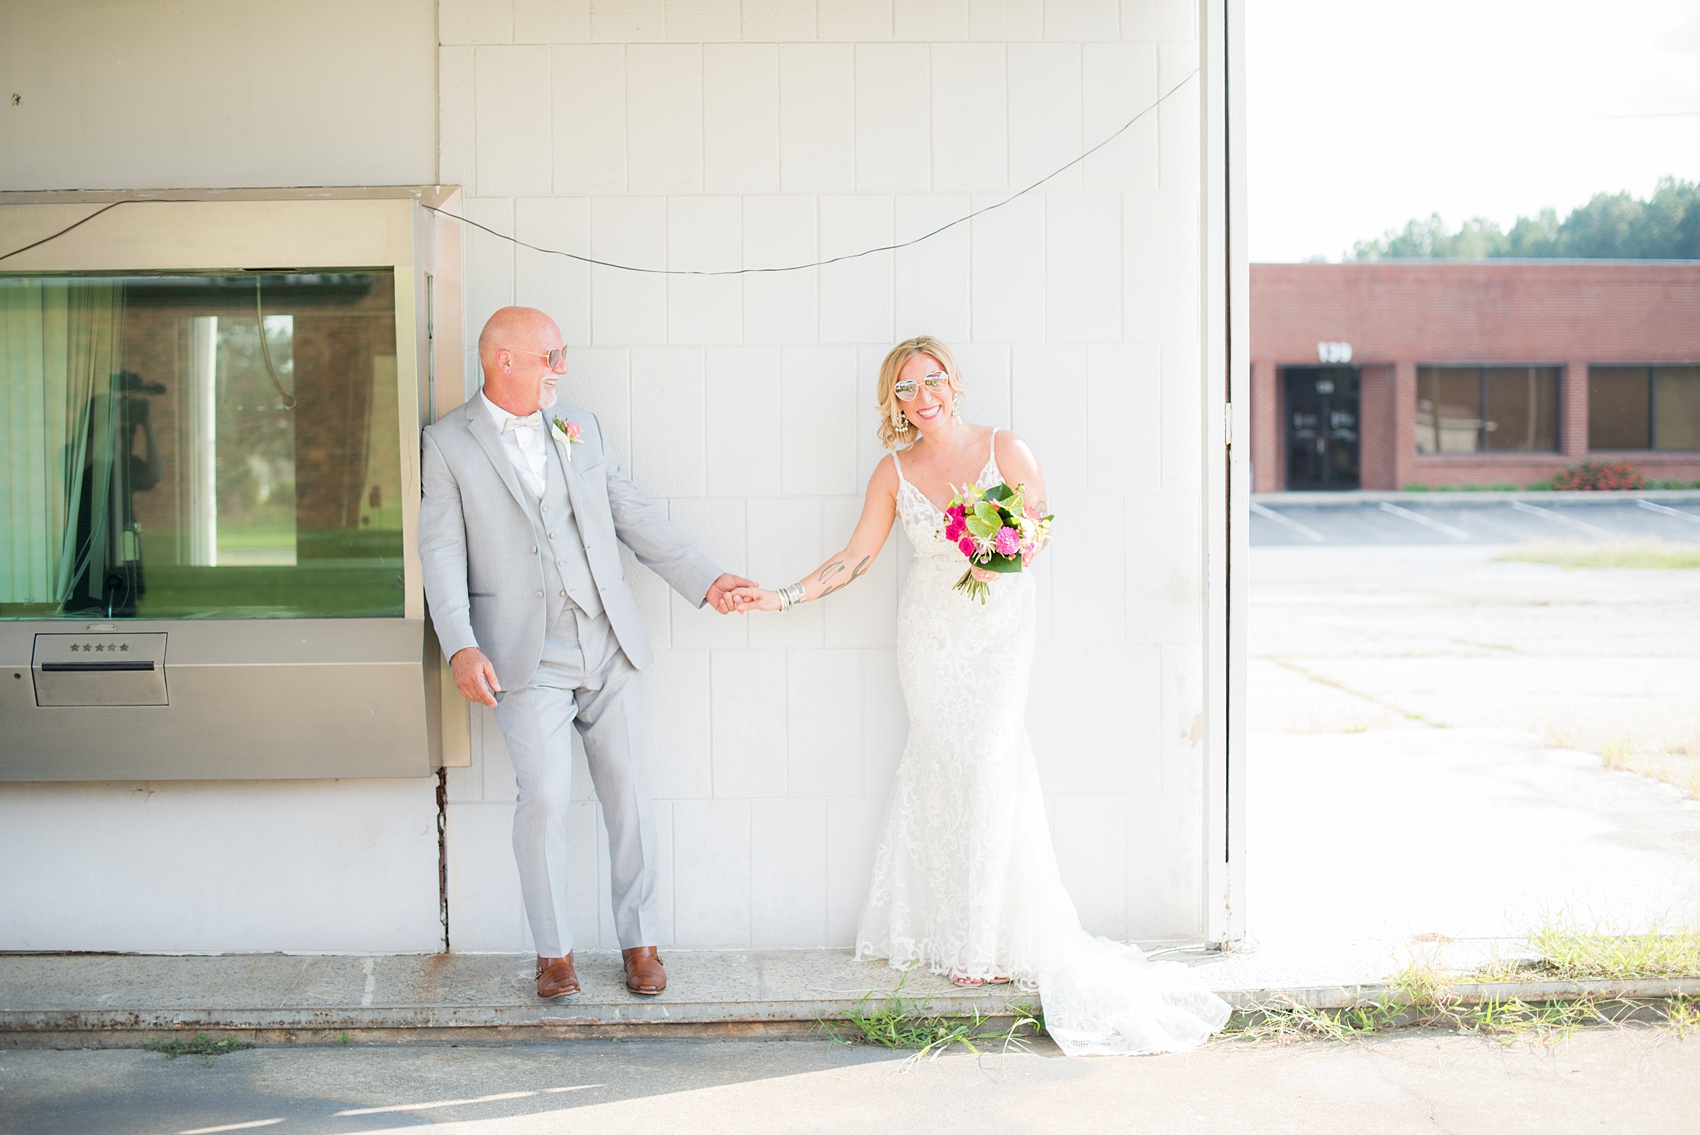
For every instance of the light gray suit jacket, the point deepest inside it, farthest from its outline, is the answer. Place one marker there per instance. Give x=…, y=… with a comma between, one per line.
x=483, y=569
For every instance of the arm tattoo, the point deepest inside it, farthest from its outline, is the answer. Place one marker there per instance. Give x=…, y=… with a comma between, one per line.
x=831, y=571
x=854, y=575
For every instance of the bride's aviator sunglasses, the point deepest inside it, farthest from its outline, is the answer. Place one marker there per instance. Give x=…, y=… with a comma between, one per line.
x=907, y=389
x=553, y=359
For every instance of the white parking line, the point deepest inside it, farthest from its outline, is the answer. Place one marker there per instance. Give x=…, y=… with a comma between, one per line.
x=1668, y=511
x=1425, y=521
x=1579, y=525
x=1287, y=522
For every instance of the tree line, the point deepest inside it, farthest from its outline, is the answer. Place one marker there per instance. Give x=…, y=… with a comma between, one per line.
x=1612, y=226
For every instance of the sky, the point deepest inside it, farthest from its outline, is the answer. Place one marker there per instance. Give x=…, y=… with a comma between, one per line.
x=1363, y=115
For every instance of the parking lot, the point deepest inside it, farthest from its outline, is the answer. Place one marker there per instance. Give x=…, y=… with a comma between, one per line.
x=1471, y=518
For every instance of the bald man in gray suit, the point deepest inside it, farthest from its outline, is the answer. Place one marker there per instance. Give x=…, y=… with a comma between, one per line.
x=524, y=506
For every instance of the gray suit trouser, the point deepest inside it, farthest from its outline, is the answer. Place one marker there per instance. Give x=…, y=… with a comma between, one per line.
x=585, y=682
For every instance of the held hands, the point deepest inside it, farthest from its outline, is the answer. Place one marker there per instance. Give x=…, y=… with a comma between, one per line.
x=753, y=598
x=720, y=592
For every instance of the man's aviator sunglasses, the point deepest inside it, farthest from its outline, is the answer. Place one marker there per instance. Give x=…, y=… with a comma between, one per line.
x=906, y=389
x=553, y=358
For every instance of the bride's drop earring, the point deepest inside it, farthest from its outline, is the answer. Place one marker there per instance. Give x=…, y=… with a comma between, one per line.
x=956, y=406
x=900, y=423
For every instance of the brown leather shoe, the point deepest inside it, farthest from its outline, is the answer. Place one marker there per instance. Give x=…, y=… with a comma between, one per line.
x=555, y=977
x=644, y=972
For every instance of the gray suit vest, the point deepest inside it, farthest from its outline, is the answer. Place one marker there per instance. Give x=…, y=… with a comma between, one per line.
x=566, y=569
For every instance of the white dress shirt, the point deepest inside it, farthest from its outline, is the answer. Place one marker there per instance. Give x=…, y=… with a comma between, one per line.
x=526, y=447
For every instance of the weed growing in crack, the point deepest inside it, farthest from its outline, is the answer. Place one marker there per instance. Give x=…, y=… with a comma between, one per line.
x=202, y=1045
x=894, y=1021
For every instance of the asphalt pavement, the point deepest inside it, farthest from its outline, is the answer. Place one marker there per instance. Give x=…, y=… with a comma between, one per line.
x=1461, y=518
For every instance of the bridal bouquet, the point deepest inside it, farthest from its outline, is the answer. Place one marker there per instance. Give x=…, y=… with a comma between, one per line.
x=996, y=530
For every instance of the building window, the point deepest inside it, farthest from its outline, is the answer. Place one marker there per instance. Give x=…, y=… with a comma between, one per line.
x=1487, y=409
x=1644, y=407
x=194, y=445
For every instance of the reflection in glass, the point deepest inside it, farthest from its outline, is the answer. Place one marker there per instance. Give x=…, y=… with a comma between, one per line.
x=1676, y=396
x=1619, y=408
x=1471, y=409
x=200, y=446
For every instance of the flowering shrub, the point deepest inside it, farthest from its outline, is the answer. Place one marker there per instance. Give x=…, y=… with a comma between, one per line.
x=1605, y=476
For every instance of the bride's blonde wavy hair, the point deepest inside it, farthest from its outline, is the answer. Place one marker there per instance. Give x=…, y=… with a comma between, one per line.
x=891, y=410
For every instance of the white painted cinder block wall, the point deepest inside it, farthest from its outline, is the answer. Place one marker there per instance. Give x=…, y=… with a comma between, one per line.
x=714, y=135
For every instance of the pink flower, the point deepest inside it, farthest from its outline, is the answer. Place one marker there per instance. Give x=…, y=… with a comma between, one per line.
x=966, y=546
x=957, y=512
x=954, y=531
x=1007, y=542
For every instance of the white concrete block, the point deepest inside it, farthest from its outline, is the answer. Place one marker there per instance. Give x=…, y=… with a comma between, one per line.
x=932, y=277
x=717, y=528
x=667, y=420
x=1182, y=735
x=749, y=735
x=1006, y=21
x=599, y=379
x=740, y=118
x=513, y=91
x=852, y=21
x=780, y=307
x=1057, y=715
x=554, y=284
x=704, y=234
x=785, y=542
x=1184, y=407
x=823, y=722
x=588, y=84
x=457, y=127
x=676, y=709
x=788, y=872
x=1090, y=834
x=926, y=20
x=818, y=415
x=1084, y=267
x=1165, y=876
x=1009, y=271
x=970, y=123
x=1164, y=554
x=1160, y=282
x=627, y=21
x=654, y=599
x=893, y=112
x=711, y=874
x=1089, y=589
x=1119, y=80
x=856, y=295
x=779, y=20
x=985, y=369
x=1124, y=722
x=869, y=451
x=1048, y=391
x=551, y=21
x=664, y=118
x=817, y=130
x=486, y=911
x=743, y=421
x=1151, y=20
x=702, y=21
x=1124, y=430
x=865, y=613
x=885, y=721
x=628, y=307
x=464, y=784
x=489, y=266
x=1178, y=159
x=1082, y=19
x=475, y=21
x=1044, y=113
x=853, y=828
x=664, y=888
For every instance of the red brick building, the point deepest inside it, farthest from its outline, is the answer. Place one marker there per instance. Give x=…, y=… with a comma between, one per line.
x=1398, y=373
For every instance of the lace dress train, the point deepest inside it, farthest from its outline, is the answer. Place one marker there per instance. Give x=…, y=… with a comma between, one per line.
x=965, y=880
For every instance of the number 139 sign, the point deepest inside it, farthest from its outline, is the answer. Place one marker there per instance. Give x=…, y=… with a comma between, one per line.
x=1334, y=352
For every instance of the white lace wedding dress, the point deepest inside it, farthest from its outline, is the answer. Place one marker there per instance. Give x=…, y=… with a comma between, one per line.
x=965, y=880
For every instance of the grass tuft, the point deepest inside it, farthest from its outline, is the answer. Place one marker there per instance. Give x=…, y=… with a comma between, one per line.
x=1617, y=554
x=891, y=1020
x=202, y=1045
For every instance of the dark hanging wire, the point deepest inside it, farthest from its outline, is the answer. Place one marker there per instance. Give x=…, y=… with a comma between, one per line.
x=289, y=402
x=1064, y=168
x=835, y=259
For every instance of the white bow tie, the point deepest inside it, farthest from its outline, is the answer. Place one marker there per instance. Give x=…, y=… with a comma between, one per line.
x=532, y=421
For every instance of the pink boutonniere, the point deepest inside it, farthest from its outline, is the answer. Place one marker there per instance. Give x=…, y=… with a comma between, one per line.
x=570, y=431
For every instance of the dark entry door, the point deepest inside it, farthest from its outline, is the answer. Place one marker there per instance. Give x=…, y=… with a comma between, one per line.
x=1322, y=427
